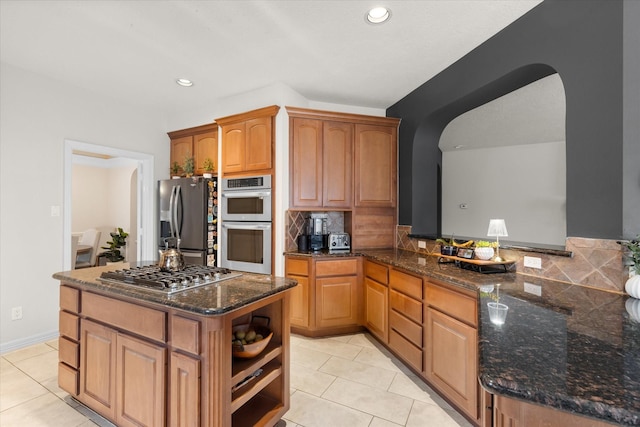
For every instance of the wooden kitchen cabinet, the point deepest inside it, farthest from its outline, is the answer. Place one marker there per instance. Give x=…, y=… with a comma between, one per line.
x=406, y=294
x=247, y=141
x=337, y=302
x=451, y=346
x=329, y=302
x=199, y=142
x=376, y=294
x=184, y=390
x=321, y=154
x=299, y=269
x=508, y=412
x=376, y=165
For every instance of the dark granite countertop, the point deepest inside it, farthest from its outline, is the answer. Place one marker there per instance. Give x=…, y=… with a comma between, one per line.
x=562, y=345
x=210, y=300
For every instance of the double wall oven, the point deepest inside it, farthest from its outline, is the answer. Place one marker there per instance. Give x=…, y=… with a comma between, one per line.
x=245, y=237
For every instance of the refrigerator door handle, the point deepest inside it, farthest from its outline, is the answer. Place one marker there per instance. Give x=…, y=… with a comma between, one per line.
x=178, y=202
x=172, y=212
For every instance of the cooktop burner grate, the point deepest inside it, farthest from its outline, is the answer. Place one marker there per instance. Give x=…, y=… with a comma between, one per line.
x=153, y=278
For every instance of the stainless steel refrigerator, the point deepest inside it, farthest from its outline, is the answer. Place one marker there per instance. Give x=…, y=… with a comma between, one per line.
x=188, y=210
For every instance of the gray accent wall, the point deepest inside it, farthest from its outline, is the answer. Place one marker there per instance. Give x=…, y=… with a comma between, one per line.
x=593, y=46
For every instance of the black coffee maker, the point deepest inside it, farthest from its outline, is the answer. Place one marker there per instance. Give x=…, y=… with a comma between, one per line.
x=318, y=235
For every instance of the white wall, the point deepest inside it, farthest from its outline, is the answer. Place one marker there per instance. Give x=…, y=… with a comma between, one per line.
x=520, y=184
x=37, y=115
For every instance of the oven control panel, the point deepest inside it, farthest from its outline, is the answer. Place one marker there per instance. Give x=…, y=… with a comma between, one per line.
x=339, y=242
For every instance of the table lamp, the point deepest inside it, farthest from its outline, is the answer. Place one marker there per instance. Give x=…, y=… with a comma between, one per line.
x=497, y=227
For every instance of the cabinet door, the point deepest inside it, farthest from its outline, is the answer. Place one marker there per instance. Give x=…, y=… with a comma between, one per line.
x=184, y=393
x=336, y=301
x=299, y=298
x=98, y=368
x=181, y=148
x=337, y=153
x=140, y=383
x=451, y=359
x=205, y=145
x=233, y=147
x=376, y=309
x=258, y=144
x=306, y=163
x=375, y=166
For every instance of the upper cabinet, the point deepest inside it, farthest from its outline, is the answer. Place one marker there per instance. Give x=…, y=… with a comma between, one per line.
x=334, y=156
x=321, y=163
x=247, y=141
x=199, y=142
x=376, y=166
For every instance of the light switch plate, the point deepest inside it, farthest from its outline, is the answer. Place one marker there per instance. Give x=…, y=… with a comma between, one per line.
x=422, y=244
x=533, y=289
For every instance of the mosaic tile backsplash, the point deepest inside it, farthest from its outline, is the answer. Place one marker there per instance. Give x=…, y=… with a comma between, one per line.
x=597, y=263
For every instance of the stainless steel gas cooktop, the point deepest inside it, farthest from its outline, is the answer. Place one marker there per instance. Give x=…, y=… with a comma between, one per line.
x=151, y=277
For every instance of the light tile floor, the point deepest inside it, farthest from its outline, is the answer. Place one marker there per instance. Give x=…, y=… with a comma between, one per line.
x=348, y=381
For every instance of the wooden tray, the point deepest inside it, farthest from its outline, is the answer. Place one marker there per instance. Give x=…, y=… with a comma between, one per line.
x=478, y=265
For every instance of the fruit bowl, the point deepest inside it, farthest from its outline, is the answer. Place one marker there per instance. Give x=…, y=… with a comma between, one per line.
x=254, y=348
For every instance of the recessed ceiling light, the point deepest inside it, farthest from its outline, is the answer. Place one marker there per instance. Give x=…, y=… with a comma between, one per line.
x=184, y=82
x=457, y=147
x=378, y=15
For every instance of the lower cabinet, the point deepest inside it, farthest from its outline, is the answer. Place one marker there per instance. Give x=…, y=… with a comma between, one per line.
x=376, y=295
x=406, y=318
x=451, y=346
x=509, y=412
x=122, y=378
x=184, y=390
x=328, y=298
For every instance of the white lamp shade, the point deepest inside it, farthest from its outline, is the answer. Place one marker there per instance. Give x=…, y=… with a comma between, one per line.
x=497, y=227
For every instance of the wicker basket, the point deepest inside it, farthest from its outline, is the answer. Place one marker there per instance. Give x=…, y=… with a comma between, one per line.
x=247, y=351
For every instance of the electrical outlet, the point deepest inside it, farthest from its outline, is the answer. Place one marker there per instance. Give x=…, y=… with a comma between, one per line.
x=533, y=289
x=422, y=244
x=16, y=313
x=533, y=262
x=422, y=261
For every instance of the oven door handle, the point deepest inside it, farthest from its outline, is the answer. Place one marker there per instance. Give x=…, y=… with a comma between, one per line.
x=245, y=194
x=265, y=226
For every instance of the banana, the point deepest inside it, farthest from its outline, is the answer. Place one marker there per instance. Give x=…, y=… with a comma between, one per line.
x=466, y=244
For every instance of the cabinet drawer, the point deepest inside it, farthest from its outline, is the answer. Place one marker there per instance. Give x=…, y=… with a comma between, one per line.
x=343, y=267
x=377, y=272
x=406, y=350
x=143, y=321
x=185, y=334
x=69, y=299
x=406, y=283
x=69, y=325
x=405, y=305
x=455, y=304
x=69, y=352
x=68, y=379
x=406, y=328
x=299, y=267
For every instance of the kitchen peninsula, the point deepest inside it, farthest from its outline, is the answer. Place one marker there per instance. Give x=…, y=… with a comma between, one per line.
x=565, y=355
x=141, y=357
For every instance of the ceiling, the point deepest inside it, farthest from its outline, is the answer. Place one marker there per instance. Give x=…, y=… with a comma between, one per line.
x=134, y=51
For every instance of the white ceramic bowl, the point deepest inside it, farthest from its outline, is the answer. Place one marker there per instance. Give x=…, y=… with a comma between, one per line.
x=483, y=253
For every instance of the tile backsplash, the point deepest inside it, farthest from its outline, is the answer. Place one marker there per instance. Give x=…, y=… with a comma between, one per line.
x=597, y=263
x=295, y=223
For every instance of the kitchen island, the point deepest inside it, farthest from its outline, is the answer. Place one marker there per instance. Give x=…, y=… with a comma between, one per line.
x=141, y=357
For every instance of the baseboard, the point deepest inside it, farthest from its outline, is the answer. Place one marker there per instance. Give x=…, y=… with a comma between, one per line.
x=26, y=342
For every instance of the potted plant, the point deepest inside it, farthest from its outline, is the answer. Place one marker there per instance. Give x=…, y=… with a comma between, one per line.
x=207, y=165
x=175, y=170
x=118, y=240
x=632, y=286
x=484, y=250
x=188, y=166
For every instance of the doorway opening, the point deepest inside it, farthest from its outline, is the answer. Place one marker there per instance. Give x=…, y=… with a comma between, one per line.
x=138, y=201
